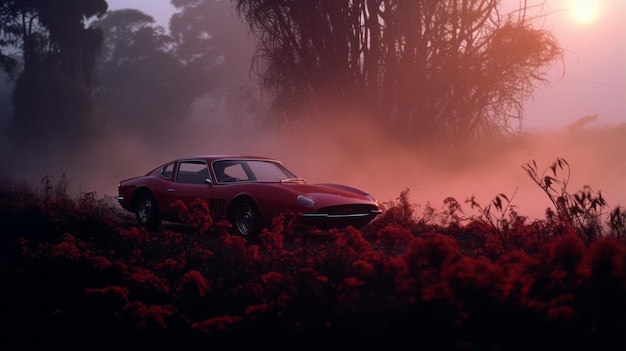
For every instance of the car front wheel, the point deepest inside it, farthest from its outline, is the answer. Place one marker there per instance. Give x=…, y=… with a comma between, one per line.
x=146, y=212
x=246, y=219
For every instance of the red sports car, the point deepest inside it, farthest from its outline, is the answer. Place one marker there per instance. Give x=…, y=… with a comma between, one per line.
x=248, y=191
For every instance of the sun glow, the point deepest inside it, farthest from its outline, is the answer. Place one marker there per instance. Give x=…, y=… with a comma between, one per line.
x=584, y=11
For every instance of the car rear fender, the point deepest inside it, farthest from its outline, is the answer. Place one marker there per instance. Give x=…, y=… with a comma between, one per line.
x=137, y=194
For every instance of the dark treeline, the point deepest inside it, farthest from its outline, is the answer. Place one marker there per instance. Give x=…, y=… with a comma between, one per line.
x=446, y=71
x=79, y=71
x=50, y=55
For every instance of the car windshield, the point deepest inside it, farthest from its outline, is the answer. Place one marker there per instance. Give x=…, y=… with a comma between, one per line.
x=252, y=170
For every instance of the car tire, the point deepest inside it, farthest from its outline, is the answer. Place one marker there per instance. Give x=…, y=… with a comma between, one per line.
x=246, y=219
x=146, y=211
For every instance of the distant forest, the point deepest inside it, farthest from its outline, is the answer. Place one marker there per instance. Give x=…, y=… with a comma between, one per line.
x=447, y=72
x=79, y=73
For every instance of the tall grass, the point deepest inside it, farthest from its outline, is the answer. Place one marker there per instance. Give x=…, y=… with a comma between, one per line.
x=585, y=210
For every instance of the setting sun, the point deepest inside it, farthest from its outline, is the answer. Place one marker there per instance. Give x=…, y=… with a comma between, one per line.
x=584, y=11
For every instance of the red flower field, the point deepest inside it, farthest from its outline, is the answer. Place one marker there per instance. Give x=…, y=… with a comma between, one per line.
x=75, y=273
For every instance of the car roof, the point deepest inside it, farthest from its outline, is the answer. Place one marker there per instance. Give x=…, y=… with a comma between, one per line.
x=215, y=157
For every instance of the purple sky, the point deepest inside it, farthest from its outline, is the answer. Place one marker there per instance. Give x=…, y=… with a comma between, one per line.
x=591, y=81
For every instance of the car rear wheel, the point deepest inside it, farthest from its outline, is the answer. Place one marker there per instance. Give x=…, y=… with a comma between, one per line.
x=246, y=218
x=146, y=212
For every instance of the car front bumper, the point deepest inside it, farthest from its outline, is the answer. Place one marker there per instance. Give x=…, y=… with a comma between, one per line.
x=338, y=220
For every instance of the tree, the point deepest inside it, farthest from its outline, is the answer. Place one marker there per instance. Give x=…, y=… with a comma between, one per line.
x=144, y=88
x=447, y=71
x=213, y=39
x=47, y=48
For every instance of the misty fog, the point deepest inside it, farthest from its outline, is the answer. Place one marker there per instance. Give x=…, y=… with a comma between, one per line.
x=349, y=154
x=355, y=158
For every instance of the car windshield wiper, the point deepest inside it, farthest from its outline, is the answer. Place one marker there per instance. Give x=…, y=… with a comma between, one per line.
x=292, y=180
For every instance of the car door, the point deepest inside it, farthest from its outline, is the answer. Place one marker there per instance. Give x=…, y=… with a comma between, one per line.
x=191, y=181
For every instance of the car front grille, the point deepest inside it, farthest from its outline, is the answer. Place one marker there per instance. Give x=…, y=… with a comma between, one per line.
x=348, y=209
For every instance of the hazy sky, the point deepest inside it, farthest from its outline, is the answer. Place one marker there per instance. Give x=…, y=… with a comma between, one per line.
x=593, y=35
x=591, y=81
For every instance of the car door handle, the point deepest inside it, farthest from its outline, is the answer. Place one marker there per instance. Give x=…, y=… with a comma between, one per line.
x=169, y=190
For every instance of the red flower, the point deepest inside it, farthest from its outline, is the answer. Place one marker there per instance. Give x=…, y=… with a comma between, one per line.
x=120, y=266
x=606, y=258
x=566, y=252
x=558, y=307
x=432, y=250
x=353, y=282
x=427, y=257
x=100, y=262
x=235, y=244
x=152, y=315
x=560, y=312
x=393, y=236
x=196, y=215
x=514, y=265
x=257, y=309
x=470, y=277
x=278, y=223
x=66, y=250
x=119, y=293
x=172, y=238
x=194, y=279
x=352, y=238
x=170, y=265
x=147, y=279
x=270, y=240
x=363, y=269
x=220, y=323
x=135, y=235
x=24, y=249
x=200, y=253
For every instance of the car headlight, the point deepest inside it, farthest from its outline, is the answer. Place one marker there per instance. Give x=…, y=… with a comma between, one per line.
x=371, y=198
x=306, y=201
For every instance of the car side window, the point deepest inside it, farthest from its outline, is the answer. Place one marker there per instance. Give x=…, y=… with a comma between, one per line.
x=229, y=171
x=192, y=172
x=167, y=171
x=266, y=171
x=236, y=171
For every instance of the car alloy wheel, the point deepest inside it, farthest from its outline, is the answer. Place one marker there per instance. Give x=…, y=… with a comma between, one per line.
x=147, y=211
x=246, y=218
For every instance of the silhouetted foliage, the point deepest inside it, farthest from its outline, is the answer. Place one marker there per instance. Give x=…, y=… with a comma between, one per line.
x=73, y=274
x=52, y=55
x=584, y=210
x=446, y=71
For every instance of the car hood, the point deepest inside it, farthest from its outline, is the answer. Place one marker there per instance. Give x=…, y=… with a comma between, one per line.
x=326, y=192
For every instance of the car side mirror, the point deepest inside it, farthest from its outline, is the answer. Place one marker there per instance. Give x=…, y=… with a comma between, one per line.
x=208, y=181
